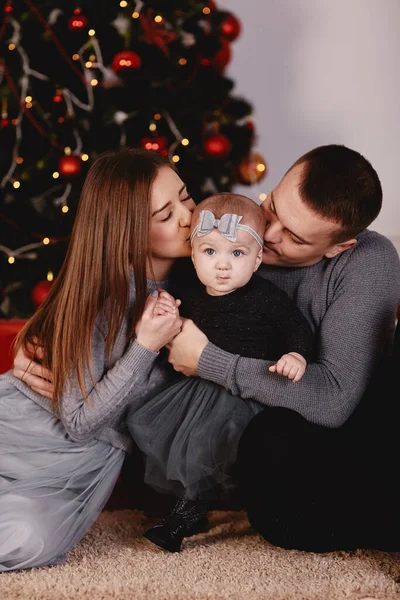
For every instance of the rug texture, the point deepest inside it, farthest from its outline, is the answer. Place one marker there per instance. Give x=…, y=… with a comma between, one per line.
x=230, y=562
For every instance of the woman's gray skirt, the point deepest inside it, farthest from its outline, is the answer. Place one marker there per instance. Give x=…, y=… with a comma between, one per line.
x=51, y=488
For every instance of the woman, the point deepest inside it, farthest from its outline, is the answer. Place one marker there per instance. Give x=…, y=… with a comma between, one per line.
x=60, y=455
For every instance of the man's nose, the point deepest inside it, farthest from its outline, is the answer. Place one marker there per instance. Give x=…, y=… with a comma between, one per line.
x=273, y=232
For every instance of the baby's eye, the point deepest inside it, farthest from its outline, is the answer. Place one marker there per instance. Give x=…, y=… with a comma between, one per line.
x=209, y=251
x=237, y=253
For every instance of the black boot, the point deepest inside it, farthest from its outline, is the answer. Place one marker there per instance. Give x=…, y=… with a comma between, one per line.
x=187, y=518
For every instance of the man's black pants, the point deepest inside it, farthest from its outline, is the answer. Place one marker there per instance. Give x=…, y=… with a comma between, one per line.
x=317, y=489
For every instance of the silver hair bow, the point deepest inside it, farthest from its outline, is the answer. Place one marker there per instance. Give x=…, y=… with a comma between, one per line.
x=226, y=225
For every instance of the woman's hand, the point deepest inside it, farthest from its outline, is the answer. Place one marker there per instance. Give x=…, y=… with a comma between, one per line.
x=160, y=321
x=32, y=373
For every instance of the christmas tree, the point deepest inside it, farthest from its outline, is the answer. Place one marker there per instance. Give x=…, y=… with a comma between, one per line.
x=76, y=80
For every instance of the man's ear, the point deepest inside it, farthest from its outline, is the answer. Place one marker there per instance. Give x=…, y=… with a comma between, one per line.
x=339, y=248
x=258, y=260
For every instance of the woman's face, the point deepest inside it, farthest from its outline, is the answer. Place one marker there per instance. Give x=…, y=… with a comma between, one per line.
x=171, y=214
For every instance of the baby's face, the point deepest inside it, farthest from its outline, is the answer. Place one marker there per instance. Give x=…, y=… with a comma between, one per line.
x=224, y=266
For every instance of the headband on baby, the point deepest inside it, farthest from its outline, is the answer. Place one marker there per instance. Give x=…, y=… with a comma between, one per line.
x=226, y=225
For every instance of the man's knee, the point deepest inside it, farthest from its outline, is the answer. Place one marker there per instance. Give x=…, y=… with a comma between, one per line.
x=272, y=434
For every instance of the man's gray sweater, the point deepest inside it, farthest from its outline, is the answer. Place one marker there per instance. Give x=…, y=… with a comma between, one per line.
x=350, y=302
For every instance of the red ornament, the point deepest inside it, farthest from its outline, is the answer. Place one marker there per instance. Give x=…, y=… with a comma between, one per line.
x=57, y=98
x=4, y=122
x=252, y=169
x=157, y=144
x=126, y=60
x=69, y=165
x=8, y=7
x=217, y=146
x=222, y=58
x=40, y=291
x=230, y=28
x=78, y=21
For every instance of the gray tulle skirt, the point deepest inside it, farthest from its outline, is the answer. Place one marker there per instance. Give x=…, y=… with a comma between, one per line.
x=189, y=434
x=51, y=488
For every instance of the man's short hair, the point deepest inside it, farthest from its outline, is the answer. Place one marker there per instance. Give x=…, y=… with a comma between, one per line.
x=340, y=184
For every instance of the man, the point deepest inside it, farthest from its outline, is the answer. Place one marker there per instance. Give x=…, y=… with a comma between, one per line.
x=304, y=476
x=303, y=462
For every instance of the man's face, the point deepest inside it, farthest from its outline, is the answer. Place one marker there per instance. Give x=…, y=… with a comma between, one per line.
x=295, y=236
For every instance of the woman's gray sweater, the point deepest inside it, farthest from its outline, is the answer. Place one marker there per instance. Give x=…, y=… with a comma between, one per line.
x=350, y=302
x=133, y=372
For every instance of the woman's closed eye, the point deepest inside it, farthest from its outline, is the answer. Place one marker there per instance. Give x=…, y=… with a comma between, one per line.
x=171, y=212
x=167, y=218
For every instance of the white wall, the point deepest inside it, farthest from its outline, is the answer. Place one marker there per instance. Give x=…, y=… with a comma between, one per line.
x=320, y=72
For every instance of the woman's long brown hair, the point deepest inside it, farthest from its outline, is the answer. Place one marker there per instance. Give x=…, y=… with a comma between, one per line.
x=111, y=236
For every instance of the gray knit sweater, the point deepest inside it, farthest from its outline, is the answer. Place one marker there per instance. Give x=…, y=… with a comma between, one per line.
x=350, y=302
x=133, y=372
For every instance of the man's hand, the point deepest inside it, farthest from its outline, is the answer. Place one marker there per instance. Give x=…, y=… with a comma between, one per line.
x=186, y=348
x=30, y=372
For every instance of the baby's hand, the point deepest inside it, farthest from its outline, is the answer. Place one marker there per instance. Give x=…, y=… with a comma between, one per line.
x=156, y=328
x=291, y=365
x=166, y=304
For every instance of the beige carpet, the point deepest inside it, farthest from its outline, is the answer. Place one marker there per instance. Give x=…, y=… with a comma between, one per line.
x=230, y=562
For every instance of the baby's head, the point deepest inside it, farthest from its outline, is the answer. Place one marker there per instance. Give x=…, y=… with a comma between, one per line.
x=226, y=252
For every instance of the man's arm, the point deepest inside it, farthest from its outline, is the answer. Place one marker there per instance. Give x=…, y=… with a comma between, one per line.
x=351, y=340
